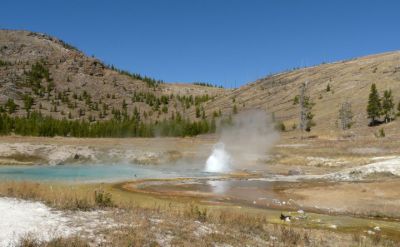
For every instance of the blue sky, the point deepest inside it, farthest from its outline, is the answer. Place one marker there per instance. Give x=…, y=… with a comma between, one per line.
x=229, y=42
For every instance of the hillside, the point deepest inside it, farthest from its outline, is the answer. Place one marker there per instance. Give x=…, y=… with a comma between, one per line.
x=64, y=83
x=39, y=73
x=348, y=80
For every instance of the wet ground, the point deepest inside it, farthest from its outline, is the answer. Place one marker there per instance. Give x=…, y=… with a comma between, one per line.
x=289, y=198
x=374, y=197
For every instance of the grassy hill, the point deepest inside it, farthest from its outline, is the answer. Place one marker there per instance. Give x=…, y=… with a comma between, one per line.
x=348, y=81
x=39, y=73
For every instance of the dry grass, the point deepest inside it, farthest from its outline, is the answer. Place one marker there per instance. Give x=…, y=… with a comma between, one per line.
x=31, y=241
x=58, y=196
x=172, y=223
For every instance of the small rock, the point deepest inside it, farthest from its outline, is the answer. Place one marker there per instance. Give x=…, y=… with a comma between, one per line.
x=377, y=228
x=370, y=232
x=295, y=172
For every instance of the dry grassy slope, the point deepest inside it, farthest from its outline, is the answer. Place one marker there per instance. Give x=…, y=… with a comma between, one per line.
x=72, y=70
x=349, y=80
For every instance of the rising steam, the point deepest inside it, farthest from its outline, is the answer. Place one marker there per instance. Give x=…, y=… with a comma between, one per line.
x=243, y=143
x=219, y=160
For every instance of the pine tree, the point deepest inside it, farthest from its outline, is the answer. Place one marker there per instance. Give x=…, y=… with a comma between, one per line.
x=213, y=125
x=398, y=109
x=235, y=110
x=28, y=102
x=374, y=108
x=11, y=106
x=388, y=105
x=197, y=112
x=328, y=88
x=296, y=100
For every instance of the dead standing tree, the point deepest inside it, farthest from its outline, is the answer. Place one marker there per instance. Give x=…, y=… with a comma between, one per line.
x=303, y=112
x=305, y=109
x=345, y=115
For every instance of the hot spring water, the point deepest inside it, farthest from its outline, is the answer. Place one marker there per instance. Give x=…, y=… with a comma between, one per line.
x=97, y=173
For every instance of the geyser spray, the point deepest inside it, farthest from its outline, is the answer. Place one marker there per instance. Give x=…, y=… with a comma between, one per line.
x=219, y=160
x=243, y=143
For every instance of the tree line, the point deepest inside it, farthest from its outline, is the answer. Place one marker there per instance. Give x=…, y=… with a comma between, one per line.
x=207, y=84
x=151, y=82
x=381, y=106
x=35, y=124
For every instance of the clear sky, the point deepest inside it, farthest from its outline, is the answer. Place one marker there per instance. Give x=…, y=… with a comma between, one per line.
x=220, y=41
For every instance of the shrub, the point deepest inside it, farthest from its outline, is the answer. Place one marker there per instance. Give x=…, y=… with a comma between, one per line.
x=102, y=199
x=280, y=126
x=296, y=100
x=197, y=213
x=382, y=133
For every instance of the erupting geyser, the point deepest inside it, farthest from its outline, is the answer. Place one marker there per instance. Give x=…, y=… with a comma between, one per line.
x=244, y=143
x=219, y=160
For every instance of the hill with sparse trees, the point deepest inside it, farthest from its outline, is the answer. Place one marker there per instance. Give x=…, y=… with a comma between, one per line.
x=338, y=93
x=48, y=87
x=54, y=88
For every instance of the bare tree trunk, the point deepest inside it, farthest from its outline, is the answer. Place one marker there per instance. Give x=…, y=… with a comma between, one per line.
x=345, y=115
x=303, y=108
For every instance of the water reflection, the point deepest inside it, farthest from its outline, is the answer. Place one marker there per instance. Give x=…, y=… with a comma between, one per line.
x=218, y=186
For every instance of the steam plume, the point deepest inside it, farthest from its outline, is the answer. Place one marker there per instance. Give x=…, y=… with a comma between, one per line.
x=245, y=142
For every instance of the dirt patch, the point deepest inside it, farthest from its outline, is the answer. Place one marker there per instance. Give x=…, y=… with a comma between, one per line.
x=362, y=198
